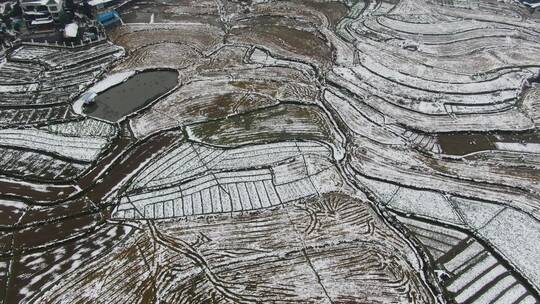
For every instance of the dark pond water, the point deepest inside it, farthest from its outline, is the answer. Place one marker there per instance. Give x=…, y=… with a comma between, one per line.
x=465, y=143
x=128, y=97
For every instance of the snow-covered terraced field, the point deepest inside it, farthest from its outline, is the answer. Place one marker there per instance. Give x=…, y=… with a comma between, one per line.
x=240, y=89
x=302, y=152
x=433, y=65
x=65, y=58
x=77, y=148
x=35, y=164
x=209, y=194
x=192, y=179
x=242, y=249
x=85, y=127
x=472, y=273
x=38, y=83
x=188, y=159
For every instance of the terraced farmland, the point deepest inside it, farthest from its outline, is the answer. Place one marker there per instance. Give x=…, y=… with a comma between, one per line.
x=301, y=151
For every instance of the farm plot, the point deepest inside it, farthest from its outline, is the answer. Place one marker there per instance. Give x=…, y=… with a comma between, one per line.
x=287, y=41
x=202, y=37
x=36, y=165
x=34, y=116
x=219, y=259
x=17, y=73
x=188, y=159
x=509, y=171
x=429, y=67
x=33, y=155
x=170, y=12
x=209, y=194
x=31, y=271
x=314, y=14
x=77, y=148
x=485, y=218
x=13, y=210
x=166, y=55
x=48, y=79
x=470, y=272
x=403, y=166
x=310, y=152
x=209, y=93
x=85, y=127
x=66, y=58
x=53, y=153
x=514, y=244
x=283, y=122
x=196, y=180
x=361, y=120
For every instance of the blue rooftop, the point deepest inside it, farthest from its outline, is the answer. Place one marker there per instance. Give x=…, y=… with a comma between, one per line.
x=108, y=17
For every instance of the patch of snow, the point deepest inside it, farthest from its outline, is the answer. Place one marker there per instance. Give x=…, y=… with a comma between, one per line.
x=515, y=234
x=78, y=106
x=476, y=213
x=100, y=86
x=518, y=147
x=17, y=88
x=424, y=203
x=98, y=2
x=12, y=204
x=71, y=30
x=110, y=81
x=80, y=148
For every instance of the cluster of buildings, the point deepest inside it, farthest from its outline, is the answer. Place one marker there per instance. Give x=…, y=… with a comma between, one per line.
x=37, y=13
x=55, y=20
x=42, y=12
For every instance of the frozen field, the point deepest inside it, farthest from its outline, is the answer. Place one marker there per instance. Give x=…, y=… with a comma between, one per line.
x=257, y=151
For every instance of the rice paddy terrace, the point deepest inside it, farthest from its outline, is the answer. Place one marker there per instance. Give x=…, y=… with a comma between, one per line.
x=277, y=152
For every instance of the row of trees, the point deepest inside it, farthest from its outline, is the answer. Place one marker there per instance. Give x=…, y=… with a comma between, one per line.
x=69, y=11
x=10, y=12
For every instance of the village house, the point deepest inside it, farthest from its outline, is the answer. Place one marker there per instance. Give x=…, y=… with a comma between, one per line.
x=41, y=12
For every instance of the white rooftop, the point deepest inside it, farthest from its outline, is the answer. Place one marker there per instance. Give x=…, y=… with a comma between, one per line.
x=42, y=21
x=71, y=29
x=98, y=2
x=38, y=2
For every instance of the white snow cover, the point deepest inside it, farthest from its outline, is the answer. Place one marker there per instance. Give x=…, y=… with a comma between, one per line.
x=71, y=30
x=424, y=203
x=86, y=127
x=80, y=148
x=476, y=213
x=518, y=147
x=174, y=194
x=101, y=86
x=12, y=204
x=18, y=88
x=515, y=234
x=98, y=2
